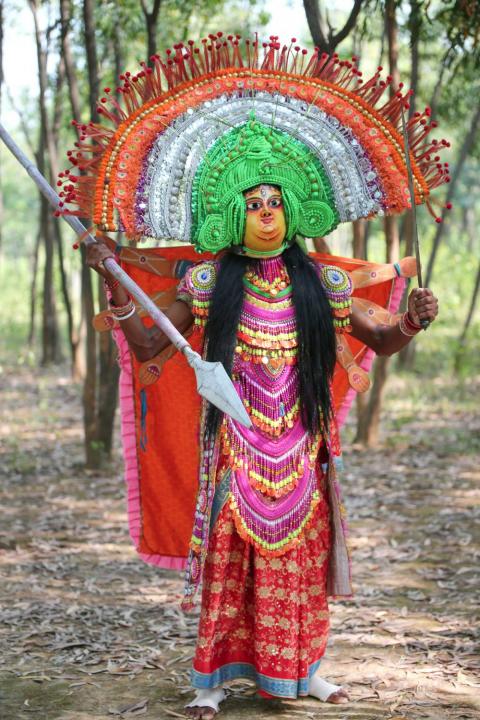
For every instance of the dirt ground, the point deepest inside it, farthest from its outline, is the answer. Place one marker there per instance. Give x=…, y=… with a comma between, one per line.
x=87, y=630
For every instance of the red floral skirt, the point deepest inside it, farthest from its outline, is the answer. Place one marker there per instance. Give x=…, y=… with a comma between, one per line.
x=263, y=618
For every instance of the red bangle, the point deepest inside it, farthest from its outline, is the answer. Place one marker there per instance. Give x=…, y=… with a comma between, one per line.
x=410, y=323
x=112, y=284
x=407, y=327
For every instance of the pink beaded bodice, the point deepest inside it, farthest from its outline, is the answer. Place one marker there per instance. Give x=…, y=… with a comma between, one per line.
x=273, y=482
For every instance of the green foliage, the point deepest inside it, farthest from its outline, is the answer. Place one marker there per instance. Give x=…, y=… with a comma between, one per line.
x=448, y=33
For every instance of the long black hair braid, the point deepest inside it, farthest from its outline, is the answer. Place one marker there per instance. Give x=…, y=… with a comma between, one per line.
x=316, y=334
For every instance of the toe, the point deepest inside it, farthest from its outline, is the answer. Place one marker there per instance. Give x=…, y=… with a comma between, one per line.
x=338, y=698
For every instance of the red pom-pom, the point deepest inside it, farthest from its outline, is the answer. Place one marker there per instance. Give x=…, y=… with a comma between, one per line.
x=57, y=213
x=75, y=246
x=448, y=206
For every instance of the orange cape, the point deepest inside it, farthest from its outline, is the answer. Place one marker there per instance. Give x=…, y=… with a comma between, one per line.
x=160, y=420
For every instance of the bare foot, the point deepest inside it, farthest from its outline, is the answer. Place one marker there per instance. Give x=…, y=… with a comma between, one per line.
x=338, y=698
x=206, y=703
x=326, y=691
x=200, y=713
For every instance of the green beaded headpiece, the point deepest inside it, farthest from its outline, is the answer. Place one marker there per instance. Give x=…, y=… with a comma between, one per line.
x=250, y=155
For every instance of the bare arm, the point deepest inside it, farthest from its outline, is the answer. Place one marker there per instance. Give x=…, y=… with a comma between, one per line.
x=144, y=342
x=387, y=340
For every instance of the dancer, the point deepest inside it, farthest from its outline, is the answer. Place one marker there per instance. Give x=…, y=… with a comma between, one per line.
x=244, y=160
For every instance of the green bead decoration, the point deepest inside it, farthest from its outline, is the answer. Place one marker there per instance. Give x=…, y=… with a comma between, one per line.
x=250, y=155
x=316, y=218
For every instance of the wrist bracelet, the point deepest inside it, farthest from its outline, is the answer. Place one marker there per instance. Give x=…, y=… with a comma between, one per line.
x=123, y=311
x=128, y=315
x=111, y=284
x=410, y=322
x=407, y=327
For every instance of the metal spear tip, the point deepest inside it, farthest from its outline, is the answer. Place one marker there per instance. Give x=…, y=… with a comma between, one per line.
x=215, y=386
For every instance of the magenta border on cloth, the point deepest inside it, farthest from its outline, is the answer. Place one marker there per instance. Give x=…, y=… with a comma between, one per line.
x=398, y=287
x=129, y=443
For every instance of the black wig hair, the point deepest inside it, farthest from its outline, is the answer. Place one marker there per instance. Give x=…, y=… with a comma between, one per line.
x=316, y=333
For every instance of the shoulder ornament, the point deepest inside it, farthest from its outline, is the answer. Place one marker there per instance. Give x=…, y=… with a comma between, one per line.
x=338, y=285
x=200, y=281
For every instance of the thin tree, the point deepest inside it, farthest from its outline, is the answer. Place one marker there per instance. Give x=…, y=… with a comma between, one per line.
x=369, y=429
x=101, y=380
x=321, y=30
x=464, y=152
x=151, y=20
x=462, y=341
x=51, y=352
x=415, y=21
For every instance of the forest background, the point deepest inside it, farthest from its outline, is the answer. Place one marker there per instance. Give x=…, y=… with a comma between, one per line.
x=55, y=58
x=87, y=630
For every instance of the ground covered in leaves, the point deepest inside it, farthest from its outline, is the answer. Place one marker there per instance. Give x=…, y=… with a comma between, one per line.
x=87, y=630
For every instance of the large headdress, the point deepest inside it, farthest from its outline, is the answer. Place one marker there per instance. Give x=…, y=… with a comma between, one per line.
x=203, y=124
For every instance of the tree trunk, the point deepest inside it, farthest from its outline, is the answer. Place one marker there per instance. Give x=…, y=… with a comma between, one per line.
x=462, y=339
x=368, y=433
x=92, y=61
x=101, y=380
x=321, y=246
x=151, y=20
x=33, y=287
x=50, y=337
x=93, y=454
x=117, y=55
x=324, y=37
x=406, y=356
x=465, y=150
x=78, y=332
x=359, y=239
x=53, y=130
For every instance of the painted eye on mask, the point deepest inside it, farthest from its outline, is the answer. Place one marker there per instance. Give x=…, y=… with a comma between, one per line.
x=254, y=205
x=275, y=202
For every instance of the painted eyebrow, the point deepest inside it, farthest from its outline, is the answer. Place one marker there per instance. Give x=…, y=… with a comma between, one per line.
x=257, y=197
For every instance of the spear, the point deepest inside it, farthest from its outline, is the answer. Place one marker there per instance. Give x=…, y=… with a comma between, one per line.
x=213, y=383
